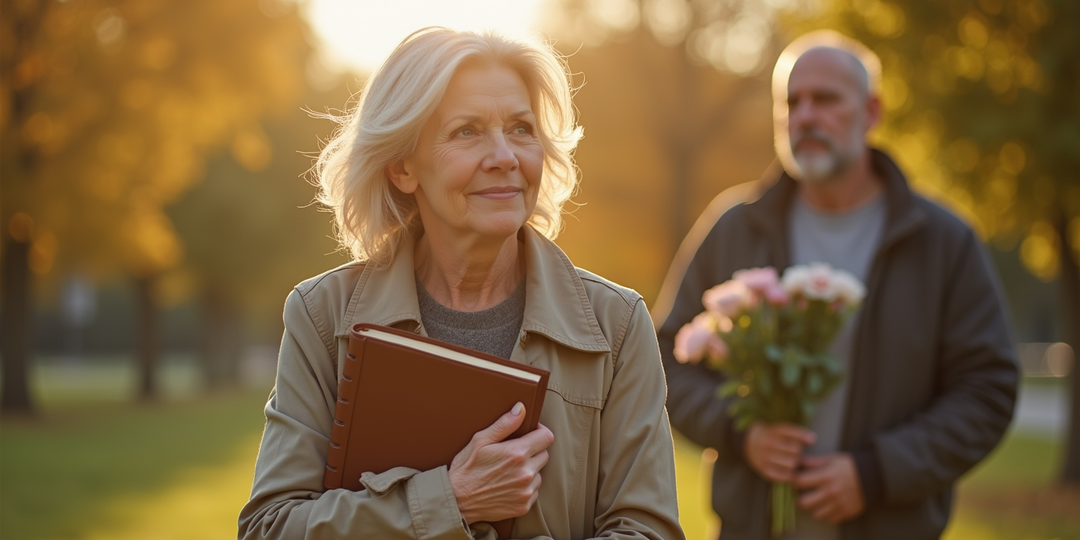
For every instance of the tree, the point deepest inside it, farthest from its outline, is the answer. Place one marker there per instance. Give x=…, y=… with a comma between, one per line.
x=252, y=233
x=693, y=65
x=108, y=111
x=983, y=111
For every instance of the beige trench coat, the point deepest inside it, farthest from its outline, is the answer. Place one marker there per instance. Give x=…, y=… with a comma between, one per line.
x=611, y=471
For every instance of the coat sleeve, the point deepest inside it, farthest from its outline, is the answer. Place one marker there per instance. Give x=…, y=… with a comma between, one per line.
x=695, y=408
x=977, y=375
x=287, y=497
x=636, y=497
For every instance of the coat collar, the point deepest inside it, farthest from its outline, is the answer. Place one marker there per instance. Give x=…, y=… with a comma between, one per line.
x=556, y=304
x=769, y=213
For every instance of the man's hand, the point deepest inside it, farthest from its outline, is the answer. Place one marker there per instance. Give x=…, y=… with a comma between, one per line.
x=495, y=479
x=832, y=492
x=773, y=450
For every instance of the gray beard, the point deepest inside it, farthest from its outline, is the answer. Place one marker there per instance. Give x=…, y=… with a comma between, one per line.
x=818, y=167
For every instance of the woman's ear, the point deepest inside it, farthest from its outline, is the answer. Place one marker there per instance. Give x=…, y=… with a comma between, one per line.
x=400, y=174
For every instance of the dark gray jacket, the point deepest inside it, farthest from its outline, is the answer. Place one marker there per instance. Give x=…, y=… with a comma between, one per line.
x=933, y=380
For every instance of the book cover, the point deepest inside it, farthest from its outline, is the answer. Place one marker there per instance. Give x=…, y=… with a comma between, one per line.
x=405, y=400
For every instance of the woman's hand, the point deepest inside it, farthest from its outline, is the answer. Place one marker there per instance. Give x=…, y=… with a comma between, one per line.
x=495, y=480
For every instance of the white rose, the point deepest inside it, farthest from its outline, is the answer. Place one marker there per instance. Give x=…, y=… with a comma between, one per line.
x=820, y=283
x=848, y=288
x=794, y=280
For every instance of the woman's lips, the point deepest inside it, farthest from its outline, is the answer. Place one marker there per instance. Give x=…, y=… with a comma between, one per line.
x=499, y=193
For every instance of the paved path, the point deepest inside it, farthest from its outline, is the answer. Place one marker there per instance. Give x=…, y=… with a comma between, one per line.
x=1041, y=410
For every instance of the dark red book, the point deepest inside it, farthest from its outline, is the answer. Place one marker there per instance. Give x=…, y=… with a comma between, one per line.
x=405, y=400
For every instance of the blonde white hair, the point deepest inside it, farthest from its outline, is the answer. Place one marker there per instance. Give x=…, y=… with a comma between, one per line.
x=372, y=216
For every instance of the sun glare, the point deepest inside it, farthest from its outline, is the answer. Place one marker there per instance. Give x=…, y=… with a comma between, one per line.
x=359, y=35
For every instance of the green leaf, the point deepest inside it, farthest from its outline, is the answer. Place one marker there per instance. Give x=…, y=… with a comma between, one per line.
x=814, y=383
x=729, y=388
x=789, y=374
x=832, y=364
x=764, y=385
x=774, y=352
x=743, y=422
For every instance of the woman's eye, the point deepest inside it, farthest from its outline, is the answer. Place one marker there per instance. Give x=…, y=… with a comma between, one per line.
x=522, y=129
x=468, y=132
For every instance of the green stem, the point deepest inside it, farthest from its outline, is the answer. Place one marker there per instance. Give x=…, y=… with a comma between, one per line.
x=777, y=512
x=783, y=508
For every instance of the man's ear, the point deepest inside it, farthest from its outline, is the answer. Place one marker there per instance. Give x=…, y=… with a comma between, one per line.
x=873, y=111
x=401, y=175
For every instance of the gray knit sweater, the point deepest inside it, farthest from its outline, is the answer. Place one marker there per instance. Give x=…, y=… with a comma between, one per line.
x=493, y=330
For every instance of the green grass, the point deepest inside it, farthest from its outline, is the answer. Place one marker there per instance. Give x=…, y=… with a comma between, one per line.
x=62, y=474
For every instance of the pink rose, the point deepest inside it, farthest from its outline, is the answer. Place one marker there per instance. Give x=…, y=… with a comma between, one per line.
x=728, y=298
x=776, y=295
x=697, y=339
x=758, y=280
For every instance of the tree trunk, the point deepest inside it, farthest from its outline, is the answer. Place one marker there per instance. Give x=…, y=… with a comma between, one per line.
x=221, y=340
x=147, y=342
x=16, y=327
x=1070, y=317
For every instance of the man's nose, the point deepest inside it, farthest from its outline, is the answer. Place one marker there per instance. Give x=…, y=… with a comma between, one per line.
x=801, y=112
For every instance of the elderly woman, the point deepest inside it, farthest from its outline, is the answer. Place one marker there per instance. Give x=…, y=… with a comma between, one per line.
x=447, y=184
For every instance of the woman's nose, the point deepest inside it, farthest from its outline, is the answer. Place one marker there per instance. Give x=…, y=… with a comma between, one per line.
x=500, y=155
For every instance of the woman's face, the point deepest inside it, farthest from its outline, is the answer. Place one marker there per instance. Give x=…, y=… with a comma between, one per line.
x=478, y=161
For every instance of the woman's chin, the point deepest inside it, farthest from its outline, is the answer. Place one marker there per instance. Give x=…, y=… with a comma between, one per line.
x=498, y=227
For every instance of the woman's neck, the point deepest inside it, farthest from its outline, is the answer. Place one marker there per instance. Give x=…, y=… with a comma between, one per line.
x=469, y=276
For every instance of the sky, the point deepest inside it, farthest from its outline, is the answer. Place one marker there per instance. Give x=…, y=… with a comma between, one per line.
x=360, y=34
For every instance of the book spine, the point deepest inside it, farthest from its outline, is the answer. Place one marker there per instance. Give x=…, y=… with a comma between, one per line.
x=350, y=374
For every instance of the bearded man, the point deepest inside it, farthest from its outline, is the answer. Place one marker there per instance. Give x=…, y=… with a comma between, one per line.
x=930, y=373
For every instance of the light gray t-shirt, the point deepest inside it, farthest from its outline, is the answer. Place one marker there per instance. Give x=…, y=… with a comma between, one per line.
x=847, y=241
x=493, y=330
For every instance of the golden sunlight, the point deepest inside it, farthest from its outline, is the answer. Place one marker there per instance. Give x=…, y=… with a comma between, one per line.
x=359, y=35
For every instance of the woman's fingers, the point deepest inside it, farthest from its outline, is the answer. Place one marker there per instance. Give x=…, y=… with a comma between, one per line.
x=535, y=440
x=495, y=479
x=506, y=425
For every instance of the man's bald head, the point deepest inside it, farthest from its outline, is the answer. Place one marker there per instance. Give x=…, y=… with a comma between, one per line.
x=854, y=70
x=863, y=61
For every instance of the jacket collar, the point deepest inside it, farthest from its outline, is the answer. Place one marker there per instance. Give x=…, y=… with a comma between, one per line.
x=769, y=213
x=556, y=305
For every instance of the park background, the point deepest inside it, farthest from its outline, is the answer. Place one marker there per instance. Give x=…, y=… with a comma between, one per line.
x=155, y=213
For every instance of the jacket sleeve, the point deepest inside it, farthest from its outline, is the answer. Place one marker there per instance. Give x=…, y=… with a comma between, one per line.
x=695, y=408
x=287, y=497
x=636, y=496
x=977, y=376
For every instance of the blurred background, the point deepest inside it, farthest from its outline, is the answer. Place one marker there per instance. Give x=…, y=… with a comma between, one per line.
x=155, y=212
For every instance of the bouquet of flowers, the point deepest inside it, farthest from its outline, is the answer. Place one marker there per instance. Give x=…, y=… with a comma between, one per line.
x=770, y=336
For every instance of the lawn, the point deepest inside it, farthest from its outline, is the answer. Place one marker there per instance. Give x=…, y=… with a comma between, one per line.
x=97, y=468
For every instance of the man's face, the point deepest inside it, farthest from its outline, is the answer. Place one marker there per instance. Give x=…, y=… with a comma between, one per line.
x=827, y=116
